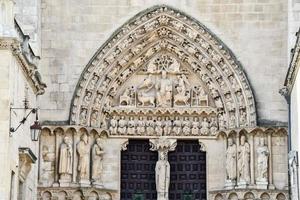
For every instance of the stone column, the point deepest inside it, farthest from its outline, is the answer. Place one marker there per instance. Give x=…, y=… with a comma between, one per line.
x=56, y=175
x=75, y=140
x=271, y=186
x=252, y=163
x=162, y=169
x=237, y=146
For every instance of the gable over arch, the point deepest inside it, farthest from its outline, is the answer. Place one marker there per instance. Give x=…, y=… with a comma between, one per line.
x=162, y=46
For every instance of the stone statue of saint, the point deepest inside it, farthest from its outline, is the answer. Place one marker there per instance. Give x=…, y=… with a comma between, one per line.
x=158, y=127
x=113, y=125
x=177, y=126
x=162, y=176
x=164, y=90
x=244, y=160
x=131, y=126
x=65, y=158
x=168, y=126
x=213, y=126
x=231, y=160
x=262, y=161
x=83, y=151
x=150, y=125
x=141, y=129
x=204, y=127
x=122, y=126
x=186, y=126
x=97, y=157
x=195, y=126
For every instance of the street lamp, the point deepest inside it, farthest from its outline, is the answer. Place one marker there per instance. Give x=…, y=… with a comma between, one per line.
x=35, y=129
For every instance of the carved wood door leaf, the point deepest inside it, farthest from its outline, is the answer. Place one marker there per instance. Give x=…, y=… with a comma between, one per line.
x=138, y=171
x=188, y=171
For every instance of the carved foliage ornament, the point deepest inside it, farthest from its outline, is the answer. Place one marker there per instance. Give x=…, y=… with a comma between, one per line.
x=162, y=59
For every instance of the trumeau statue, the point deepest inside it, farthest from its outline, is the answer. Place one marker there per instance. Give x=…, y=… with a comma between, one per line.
x=65, y=159
x=231, y=154
x=162, y=176
x=83, y=151
x=244, y=161
x=97, y=157
x=262, y=161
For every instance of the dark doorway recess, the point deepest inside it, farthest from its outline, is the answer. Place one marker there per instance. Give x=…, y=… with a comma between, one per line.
x=188, y=171
x=138, y=171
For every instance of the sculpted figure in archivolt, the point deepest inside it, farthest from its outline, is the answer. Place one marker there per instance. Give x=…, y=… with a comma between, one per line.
x=231, y=160
x=244, y=160
x=65, y=158
x=162, y=176
x=83, y=151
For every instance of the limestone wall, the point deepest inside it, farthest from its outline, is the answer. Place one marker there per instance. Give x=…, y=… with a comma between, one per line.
x=293, y=23
x=73, y=30
x=28, y=14
x=14, y=89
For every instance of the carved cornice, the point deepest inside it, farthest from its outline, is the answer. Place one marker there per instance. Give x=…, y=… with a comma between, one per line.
x=294, y=66
x=21, y=49
x=52, y=129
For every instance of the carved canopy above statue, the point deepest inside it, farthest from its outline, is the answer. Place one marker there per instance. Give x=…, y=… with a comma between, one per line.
x=163, y=66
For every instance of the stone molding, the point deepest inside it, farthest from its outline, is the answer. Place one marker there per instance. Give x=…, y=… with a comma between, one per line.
x=26, y=159
x=249, y=194
x=294, y=66
x=21, y=49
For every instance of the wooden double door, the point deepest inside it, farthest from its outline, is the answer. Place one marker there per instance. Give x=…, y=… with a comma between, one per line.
x=187, y=176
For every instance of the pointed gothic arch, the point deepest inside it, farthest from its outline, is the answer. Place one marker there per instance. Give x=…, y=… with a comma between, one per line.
x=163, y=40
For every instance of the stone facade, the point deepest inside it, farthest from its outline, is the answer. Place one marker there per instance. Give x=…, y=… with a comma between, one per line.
x=240, y=24
x=158, y=71
x=164, y=76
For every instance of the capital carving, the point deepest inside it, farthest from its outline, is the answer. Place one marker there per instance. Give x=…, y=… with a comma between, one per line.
x=163, y=144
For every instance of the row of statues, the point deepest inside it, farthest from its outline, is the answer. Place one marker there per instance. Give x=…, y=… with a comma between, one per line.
x=163, y=126
x=83, y=150
x=238, y=162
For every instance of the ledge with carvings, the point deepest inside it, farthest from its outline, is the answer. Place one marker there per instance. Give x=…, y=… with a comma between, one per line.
x=21, y=49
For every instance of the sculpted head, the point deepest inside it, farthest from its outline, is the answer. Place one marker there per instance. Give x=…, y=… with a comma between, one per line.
x=243, y=139
x=84, y=138
x=99, y=141
x=67, y=140
x=230, y=141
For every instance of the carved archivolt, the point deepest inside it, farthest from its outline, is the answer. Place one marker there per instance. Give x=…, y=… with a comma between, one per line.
x=163, y=63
